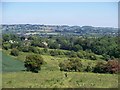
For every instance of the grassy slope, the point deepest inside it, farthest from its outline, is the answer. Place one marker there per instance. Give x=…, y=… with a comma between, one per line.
x=50, y=76
x=9, y=64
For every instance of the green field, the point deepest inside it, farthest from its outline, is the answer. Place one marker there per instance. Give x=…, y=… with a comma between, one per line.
x=51, y=77
x=9, y=64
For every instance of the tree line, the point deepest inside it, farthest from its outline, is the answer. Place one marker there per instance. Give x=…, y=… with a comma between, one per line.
x=106, y=46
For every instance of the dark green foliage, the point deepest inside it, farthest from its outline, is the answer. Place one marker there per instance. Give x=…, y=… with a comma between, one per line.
x=33, y=63
x=54, y=45
x=71, y=65
x=7, y=37
x=100, y=67
x=6, y=45
x=14, y=52
x=56, y=52
x=77, y=48
x=45, y=50
x=25, y=49
x=106, y=57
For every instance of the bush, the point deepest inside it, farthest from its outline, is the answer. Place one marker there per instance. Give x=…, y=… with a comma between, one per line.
x=92, y=56
x=106, y=57
x=72, y=54
x=100, y=67
x=53, y=53
x=89, y=68
x=33, y=63
x=80, y=55
x=113, y=66
x=25, y=49
x=14, y=52
x=71, y=65
x=33, y=49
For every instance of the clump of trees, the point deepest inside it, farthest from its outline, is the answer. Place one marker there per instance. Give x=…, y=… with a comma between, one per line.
x=71, y=65
x=33, y=63
x=14, y=52
x=112, y=66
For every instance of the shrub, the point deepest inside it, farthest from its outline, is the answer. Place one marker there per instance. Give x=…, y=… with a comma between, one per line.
x=92, y=56
x=53, y=53
x=25, y=49
x=72, y=54
x=70, y=65
x=100, y=67
x=34, y=49
x=33, y=63
x=113, y=66
x=89, y=68
x=80, y=55
x=14, y=52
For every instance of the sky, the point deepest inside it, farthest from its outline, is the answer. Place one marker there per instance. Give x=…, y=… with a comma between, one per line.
x=103, y=14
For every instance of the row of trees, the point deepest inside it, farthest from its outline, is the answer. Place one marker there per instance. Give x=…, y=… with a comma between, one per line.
x=71, y=54
x=111, y=66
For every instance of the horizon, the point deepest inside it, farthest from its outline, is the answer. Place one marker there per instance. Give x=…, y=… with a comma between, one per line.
x=59, y=25
x=96, y=14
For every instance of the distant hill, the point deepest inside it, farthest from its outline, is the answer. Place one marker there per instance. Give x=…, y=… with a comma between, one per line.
x=83, y=30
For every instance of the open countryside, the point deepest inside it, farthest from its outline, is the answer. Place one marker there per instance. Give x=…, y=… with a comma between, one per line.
x=60, y=45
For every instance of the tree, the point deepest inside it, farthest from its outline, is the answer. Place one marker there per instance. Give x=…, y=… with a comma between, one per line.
x=33, y=63
x=113, y=66
x=14, y=52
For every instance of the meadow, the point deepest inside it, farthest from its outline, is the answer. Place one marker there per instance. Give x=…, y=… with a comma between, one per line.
x=51, y=77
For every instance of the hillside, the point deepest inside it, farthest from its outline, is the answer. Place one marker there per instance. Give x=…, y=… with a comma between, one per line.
x=51, y=77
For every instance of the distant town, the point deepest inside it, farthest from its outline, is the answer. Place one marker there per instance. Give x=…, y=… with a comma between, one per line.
x=53, y=30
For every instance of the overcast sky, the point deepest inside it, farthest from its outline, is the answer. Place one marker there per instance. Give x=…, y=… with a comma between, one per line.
x=61, y=13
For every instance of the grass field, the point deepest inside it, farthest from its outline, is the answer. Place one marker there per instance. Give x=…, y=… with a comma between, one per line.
x=56, y=79
x=9, y=64
x=51, y=77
